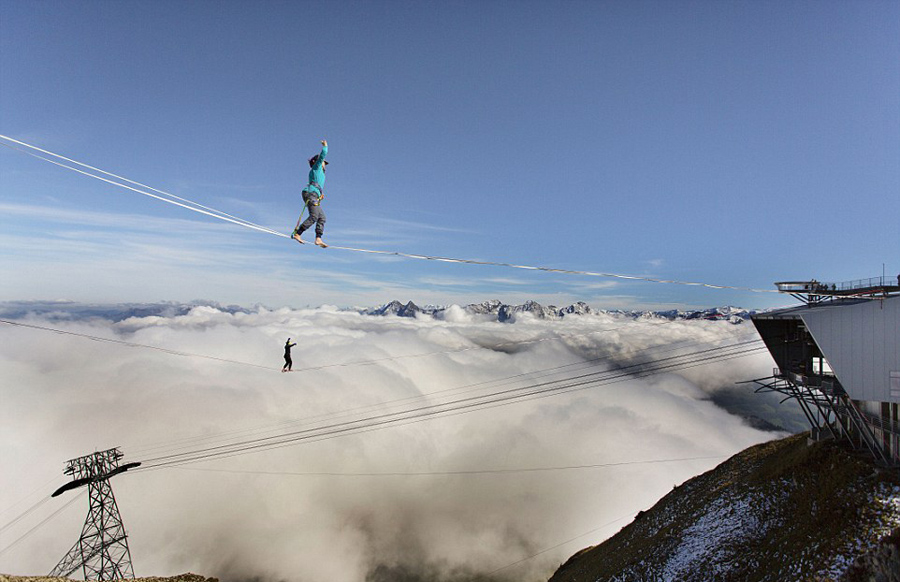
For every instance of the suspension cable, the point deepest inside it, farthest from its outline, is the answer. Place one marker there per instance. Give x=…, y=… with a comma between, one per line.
x=455, y=473
x=196, y=207
x=458, y=390
x=411, y=400
x=458, y=406
x=131, y=344
x=44, y=522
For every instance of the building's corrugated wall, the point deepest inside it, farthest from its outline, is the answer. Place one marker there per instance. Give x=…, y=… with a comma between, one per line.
x=861, y=343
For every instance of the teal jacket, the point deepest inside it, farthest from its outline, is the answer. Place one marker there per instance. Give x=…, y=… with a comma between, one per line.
x=317, y=175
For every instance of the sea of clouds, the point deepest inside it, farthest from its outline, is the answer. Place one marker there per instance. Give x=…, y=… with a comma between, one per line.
x=327, y=510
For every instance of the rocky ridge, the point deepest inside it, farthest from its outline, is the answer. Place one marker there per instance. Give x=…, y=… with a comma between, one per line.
x=508, y=313
x=503, y=312
x=782, y=510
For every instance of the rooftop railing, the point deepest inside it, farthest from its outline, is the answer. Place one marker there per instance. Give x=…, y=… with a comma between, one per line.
x=883, y=282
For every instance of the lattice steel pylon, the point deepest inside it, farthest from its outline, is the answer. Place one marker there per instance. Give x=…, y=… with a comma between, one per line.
x=102, y=550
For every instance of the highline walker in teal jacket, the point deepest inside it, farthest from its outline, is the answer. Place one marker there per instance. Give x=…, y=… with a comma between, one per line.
x=313, y=194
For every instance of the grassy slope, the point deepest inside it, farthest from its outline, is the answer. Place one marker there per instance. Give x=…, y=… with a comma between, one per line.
x=777, y=511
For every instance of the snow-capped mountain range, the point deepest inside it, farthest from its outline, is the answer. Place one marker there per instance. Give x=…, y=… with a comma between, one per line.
x=508, y=313
x=503, y=312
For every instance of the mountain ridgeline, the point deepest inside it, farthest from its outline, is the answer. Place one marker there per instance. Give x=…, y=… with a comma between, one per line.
x=781, y=510
x=503, y=312
x=508, y=313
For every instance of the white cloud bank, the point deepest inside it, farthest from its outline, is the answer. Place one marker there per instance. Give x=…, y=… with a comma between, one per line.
x=248, y=517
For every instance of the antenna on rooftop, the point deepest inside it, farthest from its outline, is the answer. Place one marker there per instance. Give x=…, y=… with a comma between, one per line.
x=102, y=550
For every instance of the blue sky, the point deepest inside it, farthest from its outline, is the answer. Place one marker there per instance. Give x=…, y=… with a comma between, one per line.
x=735, y=143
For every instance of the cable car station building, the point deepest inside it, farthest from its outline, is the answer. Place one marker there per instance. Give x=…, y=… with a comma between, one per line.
x=838, y=355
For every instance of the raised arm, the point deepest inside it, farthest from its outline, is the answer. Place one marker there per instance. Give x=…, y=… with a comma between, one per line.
x=322, y=155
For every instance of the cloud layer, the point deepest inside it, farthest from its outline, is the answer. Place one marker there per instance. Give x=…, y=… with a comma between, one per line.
x=405, y=500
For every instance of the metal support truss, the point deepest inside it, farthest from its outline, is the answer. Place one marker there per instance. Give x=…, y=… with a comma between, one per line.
x=830, y=412
x=102, y=550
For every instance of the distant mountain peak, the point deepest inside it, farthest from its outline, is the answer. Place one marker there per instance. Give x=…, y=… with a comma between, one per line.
x=508, y=313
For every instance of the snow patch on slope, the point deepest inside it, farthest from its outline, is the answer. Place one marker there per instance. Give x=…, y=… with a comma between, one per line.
x=718, y=534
